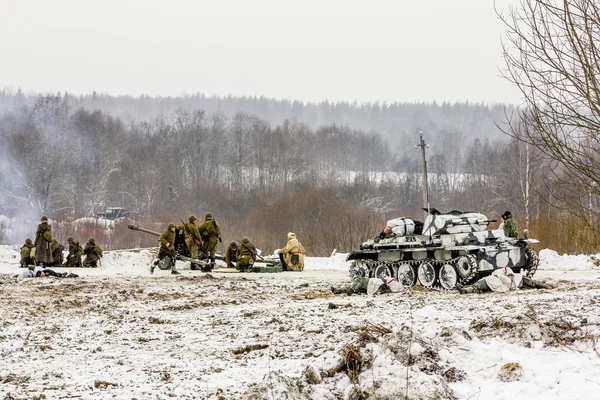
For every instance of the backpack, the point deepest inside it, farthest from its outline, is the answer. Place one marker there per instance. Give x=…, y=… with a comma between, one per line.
x=25, y=252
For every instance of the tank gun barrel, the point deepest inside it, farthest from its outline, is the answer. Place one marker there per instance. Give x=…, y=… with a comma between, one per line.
x=137, y=228
x=479, y=221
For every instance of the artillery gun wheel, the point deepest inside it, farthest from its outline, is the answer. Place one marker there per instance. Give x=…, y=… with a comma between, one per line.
x=533, y=262
x=382, y=270
x=426, y=274
x=406, y=275
x=467, y=268
x=447, y=276
x=165, y=263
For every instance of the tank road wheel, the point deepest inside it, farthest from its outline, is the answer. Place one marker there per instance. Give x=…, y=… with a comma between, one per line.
x=448, y=277
x=359, y=269
x=406, y=275
x=533, y=260
x=467, y=268
x=382, y=270
x=426, y=274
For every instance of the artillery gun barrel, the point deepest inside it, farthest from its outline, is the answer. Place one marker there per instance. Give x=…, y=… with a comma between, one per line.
x=137, y=228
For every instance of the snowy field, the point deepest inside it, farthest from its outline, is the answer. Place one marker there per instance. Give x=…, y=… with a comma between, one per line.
x=119, y=332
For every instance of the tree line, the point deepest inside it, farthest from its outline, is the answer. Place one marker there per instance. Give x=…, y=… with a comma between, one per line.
x=334, y=184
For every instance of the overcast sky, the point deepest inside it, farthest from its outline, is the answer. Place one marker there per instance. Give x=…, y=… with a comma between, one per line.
x=386, y=50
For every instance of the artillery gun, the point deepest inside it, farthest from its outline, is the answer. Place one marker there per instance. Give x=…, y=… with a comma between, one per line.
x=448, y=249
x=182, y=253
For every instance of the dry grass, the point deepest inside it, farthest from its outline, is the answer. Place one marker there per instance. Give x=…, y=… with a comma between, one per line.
x=370, y=333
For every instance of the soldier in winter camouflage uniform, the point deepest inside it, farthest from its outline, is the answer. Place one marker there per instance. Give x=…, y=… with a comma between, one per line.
x=57, y=252
x=210, y=231
x=166, y=252
x=75, y=253
x=26, y=258
x=93, y=253
x=246, y=255
x=231, y=255
x=43, y=240
x=511, y=230
x=503, y=280
x=41, y=271
x=370, y=286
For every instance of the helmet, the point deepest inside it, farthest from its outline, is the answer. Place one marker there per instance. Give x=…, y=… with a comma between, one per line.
x=92, y=240
x=245, y=239
x=208, y=216
x=44, y=218
x=291, y=235
x=53, y=240
x=27, y=241
x=171, y=225
x=192, y=218
x=233, y=244
x=70, y=239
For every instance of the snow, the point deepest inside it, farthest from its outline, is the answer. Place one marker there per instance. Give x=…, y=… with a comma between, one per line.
x=119, y=332
x=550, y=259
x=426, y=312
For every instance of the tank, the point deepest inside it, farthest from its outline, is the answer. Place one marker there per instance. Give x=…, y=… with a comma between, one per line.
x=448, y=249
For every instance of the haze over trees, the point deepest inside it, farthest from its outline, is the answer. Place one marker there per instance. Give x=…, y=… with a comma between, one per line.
x=332, y=184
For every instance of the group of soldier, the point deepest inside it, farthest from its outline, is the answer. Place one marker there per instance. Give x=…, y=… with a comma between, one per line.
x=202, y=241
x=291, y=256
x=45, y=251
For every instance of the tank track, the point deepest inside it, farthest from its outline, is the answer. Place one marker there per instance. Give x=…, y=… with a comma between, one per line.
x=368, y=268
x=473, y=270
x=534, y=262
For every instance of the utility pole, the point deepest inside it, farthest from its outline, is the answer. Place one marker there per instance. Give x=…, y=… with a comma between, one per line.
x=422, y=145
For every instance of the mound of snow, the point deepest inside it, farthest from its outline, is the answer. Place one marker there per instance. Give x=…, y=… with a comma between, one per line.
x=336, y=262
x=9, y=255
x=551, y=260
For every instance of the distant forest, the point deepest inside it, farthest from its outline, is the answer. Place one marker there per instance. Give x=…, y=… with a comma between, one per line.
x=331, y=172
x=398, y=123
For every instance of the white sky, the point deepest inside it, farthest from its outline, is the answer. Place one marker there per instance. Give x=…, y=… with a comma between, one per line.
x=386, y=50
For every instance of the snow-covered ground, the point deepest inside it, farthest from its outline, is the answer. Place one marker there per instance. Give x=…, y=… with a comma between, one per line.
x=119, y=332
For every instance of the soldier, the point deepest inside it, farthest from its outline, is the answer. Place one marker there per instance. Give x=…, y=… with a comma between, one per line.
x=246, y=255
x=75, y=253
x=502, y=280
x=166, y=253
x=370, y=286
x=43, y=239
x=57, y=252
x=511, y=230
x=40, y=272
x=292, y=255
x=93, y=253
x=192, y=238
x=26, y=257
x=210, y=230
x=231, y=255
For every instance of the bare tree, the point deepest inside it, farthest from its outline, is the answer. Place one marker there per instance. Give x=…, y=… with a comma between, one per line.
x=552, y=55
